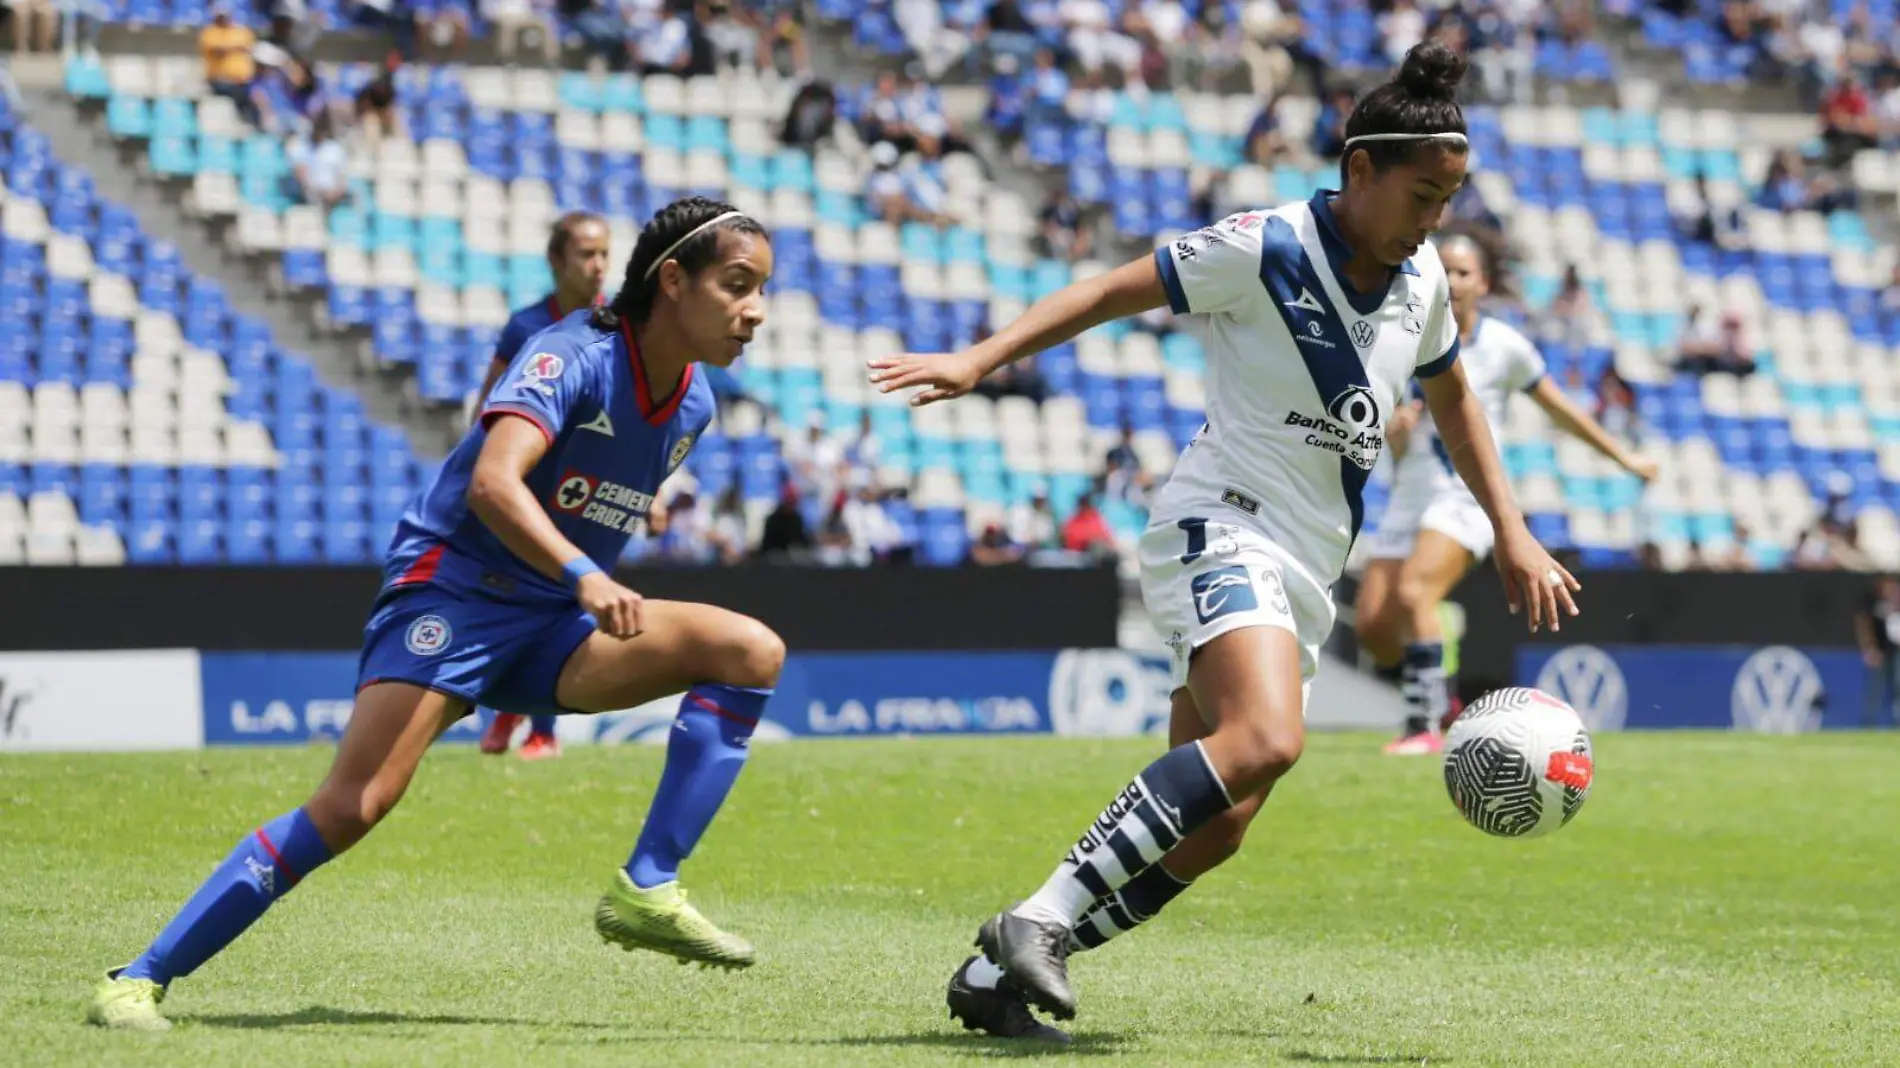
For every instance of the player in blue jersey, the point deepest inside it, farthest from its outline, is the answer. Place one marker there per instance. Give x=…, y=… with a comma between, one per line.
x=578, y=256
x=1317, y=315
x=497, y=591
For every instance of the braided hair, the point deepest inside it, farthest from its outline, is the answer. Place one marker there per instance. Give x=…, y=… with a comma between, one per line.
x=634, y=302
x=1421, y=99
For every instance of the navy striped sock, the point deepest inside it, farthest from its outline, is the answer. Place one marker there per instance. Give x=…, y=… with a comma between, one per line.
x=1126, y=909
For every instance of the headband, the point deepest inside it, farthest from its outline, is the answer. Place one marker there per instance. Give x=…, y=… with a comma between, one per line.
x=690, y=234
x=1448, y=135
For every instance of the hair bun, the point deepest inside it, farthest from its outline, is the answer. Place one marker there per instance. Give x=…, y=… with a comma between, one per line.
x=1431, y=71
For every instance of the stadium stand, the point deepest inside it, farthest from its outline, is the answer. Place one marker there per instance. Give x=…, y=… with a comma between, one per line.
x=445, y=224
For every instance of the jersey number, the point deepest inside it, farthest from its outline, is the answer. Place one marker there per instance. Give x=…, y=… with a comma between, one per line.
x=1196, y=530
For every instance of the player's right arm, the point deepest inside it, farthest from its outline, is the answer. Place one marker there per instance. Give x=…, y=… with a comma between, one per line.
x=506, y=346
x=523, y=418
x=1210, y=270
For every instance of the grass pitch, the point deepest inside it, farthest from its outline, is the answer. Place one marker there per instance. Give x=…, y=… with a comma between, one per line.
x=1721, y=900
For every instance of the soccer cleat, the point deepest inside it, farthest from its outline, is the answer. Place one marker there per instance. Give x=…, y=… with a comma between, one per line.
x=127, y=1004
x=1035, y=957
x=1423, y=743
x=540, y=747
x=1002, y=1011
x=496, y=738
x=659, y=919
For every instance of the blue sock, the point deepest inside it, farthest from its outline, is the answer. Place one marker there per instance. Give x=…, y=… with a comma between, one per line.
x=263, y=867
x=541, y=725
x=1426, y=689
x=704, y=753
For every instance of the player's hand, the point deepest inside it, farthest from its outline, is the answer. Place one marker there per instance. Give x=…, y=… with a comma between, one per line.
x=1533, y=582
x=1643, y=467
x=943, y=375
x=617, y=610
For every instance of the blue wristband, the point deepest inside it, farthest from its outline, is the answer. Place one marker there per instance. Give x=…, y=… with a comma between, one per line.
x=577, y=569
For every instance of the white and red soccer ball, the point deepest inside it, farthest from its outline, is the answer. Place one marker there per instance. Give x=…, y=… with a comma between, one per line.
x=1518, y=763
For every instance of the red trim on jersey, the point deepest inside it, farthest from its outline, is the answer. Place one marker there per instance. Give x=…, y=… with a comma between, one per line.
x=269, y=847
x=657, y=415
x=422, y=570
x=519, y=412
x=717, y=709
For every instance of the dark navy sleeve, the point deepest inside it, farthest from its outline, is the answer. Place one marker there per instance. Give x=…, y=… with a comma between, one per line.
x=545, y=387
x=512, y=335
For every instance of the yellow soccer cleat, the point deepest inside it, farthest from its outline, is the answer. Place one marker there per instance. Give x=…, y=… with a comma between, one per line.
x=127, y=1005
x=659, y=919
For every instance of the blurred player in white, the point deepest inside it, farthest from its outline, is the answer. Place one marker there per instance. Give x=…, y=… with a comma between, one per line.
x=1316, y=315
x=1434, y=530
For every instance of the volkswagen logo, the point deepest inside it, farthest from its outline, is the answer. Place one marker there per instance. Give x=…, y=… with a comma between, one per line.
x=1588, y=680
x=1777, y=691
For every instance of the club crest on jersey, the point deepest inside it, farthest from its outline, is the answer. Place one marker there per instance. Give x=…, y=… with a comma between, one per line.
x=1364, y=333
x=1223, y=591
x=680, y=450
x=428, y=635
x=574, y=492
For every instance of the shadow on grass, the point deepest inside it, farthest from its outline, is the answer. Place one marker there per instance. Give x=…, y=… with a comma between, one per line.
x=324, y=1016
x=1309, y=1057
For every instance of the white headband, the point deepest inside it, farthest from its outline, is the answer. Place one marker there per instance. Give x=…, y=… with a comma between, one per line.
x=690, y=234
x=1448, y=135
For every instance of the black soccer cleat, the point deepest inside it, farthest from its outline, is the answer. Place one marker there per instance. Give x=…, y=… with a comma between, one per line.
x=1002, y=1012
x=1035, y=957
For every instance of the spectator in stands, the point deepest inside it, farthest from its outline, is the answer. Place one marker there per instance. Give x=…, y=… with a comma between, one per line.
x=517, y=19
x=1730, y=555
x=882, y=118
x=1006, y=31
x=1571, y=313
x=1887, y=108
x=732, y=35
x=376, y=110
x=319, y=164
x=441, y=25
x=725, y=535
x=288, y=97
x=1049, y=89
x=938, y=47
x=1501, y=45
x=813, y=113
x=783, y=35
x=1877, y=631
x=1273, y=44
x=834, y=547
x=1715, y=344
x=390, y=17
x=682, y=533
x=861, y=448
x=872, y=532
x=607, y=30
x=1700, y=220
x=666, y=47
x=785, y=536
x=1096, y=39
x=35, y=25
x=1169, y=39
x=1785, y=187
x=1265, y=144
x=1615, y=404
x=1032, y=524
x=906, y=194
x=229, y=69
x=1831, y=544
x=1219, y=43
x=1401, y=27
x=813, y=463
x=1063, y=235
x=1008, y=97
x=1087, y=530
x=993, y=548
x=1123, y=478
x=1329, y=128
x=1847, y=120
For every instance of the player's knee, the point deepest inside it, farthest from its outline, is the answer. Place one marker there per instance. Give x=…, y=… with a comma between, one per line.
x=1263, y=753
x=344, y=813
x=752, y=655
x=1416, y=594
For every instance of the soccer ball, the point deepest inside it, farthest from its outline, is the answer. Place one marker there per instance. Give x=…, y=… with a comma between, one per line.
x=1517, y=763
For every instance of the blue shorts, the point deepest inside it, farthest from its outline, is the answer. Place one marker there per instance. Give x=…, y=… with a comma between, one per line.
x=493, y=653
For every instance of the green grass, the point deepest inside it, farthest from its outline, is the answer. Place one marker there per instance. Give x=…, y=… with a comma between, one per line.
x=1721, y=900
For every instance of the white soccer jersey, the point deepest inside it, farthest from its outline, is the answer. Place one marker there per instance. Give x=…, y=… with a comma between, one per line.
x=1302, y=373
x=1499, y=361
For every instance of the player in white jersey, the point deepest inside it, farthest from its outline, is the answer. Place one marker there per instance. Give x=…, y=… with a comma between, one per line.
x=1316, y=315
x=1433, y=530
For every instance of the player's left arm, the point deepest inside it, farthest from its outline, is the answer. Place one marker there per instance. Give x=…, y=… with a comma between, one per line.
x=1573, y=420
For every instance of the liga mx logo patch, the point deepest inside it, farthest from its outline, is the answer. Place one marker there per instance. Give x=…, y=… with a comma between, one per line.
x=428, y=635
x=678, y=456
x=545, y=366
x=1222, y=592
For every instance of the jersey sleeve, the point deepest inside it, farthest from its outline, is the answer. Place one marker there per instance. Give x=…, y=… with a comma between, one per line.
x=1438, y=346
x=545, y=388
x=1214, y=268
x=509, y=343
x=1527, y=365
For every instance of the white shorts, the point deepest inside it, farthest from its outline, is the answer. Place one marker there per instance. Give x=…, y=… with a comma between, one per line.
x=1240, y=579
x=1456, y=515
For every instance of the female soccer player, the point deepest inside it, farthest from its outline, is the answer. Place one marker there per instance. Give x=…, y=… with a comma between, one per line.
x=1316, y=313
x=496, y=591
x=1433, y=531
x=578, y=256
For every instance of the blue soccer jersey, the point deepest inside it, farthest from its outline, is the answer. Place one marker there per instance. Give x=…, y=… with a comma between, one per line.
x=610, y=445
x=524, y=324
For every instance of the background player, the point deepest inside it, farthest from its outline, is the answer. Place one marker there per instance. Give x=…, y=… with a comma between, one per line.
x=1433, y=530
x=1316, y=314
x=578, y=254
x=496, y=590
